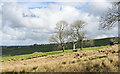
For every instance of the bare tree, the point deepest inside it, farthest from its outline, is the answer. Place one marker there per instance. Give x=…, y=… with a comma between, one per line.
x=78, y=34
x=72, y=37
x=60, y=36
x=111, y=18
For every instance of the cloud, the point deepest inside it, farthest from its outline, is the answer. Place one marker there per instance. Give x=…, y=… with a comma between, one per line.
x=1, y=23
x=22, y=25
x=98, y=8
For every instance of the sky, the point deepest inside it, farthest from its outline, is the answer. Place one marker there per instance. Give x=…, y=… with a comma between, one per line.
x=26, y=23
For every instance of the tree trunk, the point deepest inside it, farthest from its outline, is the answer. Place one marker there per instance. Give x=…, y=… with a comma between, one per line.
x=63, y=48
x=80, y=45
x=73, y=46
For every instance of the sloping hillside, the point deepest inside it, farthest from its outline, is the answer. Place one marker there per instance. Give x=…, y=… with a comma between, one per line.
x=102, y=60
x=20, y=50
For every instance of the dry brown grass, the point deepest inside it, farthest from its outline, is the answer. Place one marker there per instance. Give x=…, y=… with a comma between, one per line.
x=103, y=60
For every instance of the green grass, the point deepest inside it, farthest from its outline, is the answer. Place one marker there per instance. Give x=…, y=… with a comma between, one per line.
x=94, y=48
x=22, y=56
x=40, y=54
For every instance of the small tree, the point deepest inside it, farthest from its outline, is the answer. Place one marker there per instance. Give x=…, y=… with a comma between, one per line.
x=60, y=36
x=111, y=41
x=89, y=43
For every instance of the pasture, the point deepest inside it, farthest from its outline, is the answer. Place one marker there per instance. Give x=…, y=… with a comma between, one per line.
x=41, y=54
x=93, y=59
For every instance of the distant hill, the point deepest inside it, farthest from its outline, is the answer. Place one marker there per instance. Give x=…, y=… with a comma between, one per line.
x=19, y=50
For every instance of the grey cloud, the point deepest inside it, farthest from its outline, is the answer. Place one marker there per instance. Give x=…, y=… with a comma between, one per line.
x=98, y=8
x=20, y=30
x=12, y=15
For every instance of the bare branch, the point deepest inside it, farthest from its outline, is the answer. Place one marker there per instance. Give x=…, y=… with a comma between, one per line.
x=60, y=37
x=110, y=19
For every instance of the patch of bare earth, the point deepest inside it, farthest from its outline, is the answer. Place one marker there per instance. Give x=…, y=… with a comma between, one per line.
x=103, y=60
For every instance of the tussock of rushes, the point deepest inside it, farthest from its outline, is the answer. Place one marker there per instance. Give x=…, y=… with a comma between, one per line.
x=103, y=60
x=63, y=62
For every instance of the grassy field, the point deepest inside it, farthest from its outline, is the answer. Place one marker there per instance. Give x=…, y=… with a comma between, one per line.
x=41, y=54
x=93, y=59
